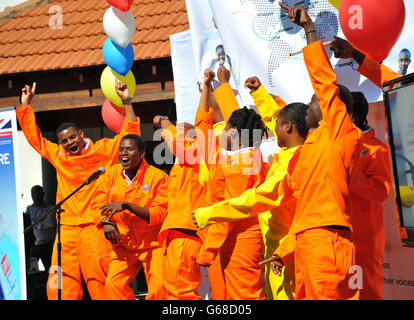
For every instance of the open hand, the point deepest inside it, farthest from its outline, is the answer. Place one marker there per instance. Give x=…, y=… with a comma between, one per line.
x=111, y=231
x=28, y=94
x=111, y=208
x=277, y=264
x=341, y=48
x=194, y=219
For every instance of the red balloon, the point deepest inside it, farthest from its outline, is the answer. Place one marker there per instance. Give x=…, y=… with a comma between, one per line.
x=113, y=116
x=372, y=26
x=123, y=5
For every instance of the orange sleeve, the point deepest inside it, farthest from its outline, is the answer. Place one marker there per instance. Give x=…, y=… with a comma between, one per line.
x=206, y=139
x=158, y=207
x=280, y=101
x=214, y=239
x=226, y=100
x=184, y=149
x=377, y=72
x=112, y=145
x=374, y=183
x=324, y=82
x=27, y=121
x=286, y=248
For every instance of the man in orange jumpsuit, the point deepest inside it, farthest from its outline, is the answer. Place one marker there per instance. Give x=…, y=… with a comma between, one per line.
x=178, y=234
x=324, y=252
x=371, y=183
x=75, y=158
x=133, y=197
x=370, y=187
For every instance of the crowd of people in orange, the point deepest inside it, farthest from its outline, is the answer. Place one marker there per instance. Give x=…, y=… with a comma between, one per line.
x=291, y=227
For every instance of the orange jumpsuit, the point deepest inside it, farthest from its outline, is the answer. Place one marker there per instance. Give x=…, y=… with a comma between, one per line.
x=239, y=244
x=139, y=247
x=272, y=195
x=369, y=191
x=178, y=233
x=324, y=251
x=370, y=186
x=84, y=255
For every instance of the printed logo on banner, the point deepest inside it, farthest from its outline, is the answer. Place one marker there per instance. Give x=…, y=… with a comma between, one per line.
x=5, y=128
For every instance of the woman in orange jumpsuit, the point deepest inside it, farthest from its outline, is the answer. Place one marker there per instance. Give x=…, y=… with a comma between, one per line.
x=238, y=245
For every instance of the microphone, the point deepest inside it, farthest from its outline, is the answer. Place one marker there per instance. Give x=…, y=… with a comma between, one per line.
x=94, y=175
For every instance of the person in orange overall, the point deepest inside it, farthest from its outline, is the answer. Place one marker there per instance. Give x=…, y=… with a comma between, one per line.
x=370, y=187
x=133, y=198
x=324, y=252
x=288, y=124
x=240, y=167
x=75, y=158
x=371, y=184
x=187, y=191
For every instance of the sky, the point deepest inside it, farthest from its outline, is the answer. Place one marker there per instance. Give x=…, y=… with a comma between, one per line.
x=9, y=3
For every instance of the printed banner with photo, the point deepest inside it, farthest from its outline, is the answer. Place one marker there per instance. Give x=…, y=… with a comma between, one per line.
x=12, y=250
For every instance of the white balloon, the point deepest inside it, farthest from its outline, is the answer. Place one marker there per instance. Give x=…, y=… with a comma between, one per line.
x=119, y=25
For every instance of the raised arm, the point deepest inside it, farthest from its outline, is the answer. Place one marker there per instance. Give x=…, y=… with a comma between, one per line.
x=225, y=95
x=322, y=76
x=374, y=71
x=268, y=107
x=131, y=123
x=27, y=121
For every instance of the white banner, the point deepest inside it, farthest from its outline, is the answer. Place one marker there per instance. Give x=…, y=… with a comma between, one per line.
x=263, y=42
x=12, y=250
x=187, y=96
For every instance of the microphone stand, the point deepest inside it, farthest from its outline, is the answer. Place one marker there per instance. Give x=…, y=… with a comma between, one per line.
x=58, y=210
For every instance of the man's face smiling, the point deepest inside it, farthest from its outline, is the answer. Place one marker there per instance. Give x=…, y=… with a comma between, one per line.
x=129, y=156
x=71, y=140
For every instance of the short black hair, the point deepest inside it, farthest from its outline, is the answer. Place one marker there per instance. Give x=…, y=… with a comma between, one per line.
x=346, y=97
x=66, y=125
x=37, y=188
x=246, y=118
x=138, y=140
x=220, y=46
x=360, y=108
x=296, y=114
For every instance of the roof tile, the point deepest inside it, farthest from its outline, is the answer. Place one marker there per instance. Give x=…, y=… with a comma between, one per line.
x=27, y=43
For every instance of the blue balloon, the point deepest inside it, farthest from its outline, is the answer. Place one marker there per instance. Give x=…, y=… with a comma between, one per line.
x=118, y=58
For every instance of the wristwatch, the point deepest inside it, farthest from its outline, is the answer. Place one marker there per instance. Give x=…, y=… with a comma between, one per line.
x=127, y=100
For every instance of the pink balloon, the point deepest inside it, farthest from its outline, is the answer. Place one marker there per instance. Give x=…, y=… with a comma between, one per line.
x=123, y=5
x=113, y=116
x=372, y=26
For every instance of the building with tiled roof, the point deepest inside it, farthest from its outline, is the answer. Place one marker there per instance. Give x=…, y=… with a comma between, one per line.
x=36, y=45
x=33, y=40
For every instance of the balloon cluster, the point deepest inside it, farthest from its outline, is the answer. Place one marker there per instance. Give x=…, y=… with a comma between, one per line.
x=371, y=26
x=119, y=25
